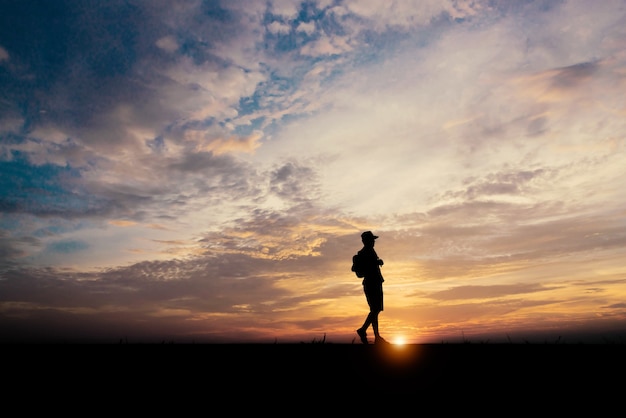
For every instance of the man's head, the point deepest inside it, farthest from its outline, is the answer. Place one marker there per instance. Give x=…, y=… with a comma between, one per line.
x=368, y=236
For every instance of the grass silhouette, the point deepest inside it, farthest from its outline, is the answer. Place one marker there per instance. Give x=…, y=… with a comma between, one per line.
x=559, y=340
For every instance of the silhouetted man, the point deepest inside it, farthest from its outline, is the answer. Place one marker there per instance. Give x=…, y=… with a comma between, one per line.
x=372, y=286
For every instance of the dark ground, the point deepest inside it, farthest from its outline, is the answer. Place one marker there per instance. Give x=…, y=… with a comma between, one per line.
x=169, y=379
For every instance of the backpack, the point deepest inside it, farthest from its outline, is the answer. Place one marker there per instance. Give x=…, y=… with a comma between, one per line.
x=357, y=266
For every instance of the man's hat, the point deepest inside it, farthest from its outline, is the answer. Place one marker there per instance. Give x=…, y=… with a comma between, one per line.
x=368, y=234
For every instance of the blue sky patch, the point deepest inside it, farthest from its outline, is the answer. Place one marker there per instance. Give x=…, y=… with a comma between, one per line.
x=67, y=246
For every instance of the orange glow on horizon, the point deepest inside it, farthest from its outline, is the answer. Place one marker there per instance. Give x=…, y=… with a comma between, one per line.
x=399, y=340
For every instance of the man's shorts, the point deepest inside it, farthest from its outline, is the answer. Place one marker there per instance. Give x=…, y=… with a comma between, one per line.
x=374, y=295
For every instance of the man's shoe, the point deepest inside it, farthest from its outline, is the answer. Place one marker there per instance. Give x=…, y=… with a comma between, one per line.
x=362, y=335
x=380, y=340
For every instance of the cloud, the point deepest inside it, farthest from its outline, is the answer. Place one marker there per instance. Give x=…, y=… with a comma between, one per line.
x=306, y=27
x=285, y=8
x=326, y=46
x=220, y=146
x=278, y=28
x=207, y=167
x=485, y=292
x=290, y=182
x=168, y=43
x=405, y=14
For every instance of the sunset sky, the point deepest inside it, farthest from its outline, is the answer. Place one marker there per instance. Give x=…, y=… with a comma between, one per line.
x=201, y=171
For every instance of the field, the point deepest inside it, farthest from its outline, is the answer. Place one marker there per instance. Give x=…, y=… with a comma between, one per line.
x=518, y=377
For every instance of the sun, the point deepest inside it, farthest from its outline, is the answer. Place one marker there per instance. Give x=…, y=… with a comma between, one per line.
x=399, y=340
